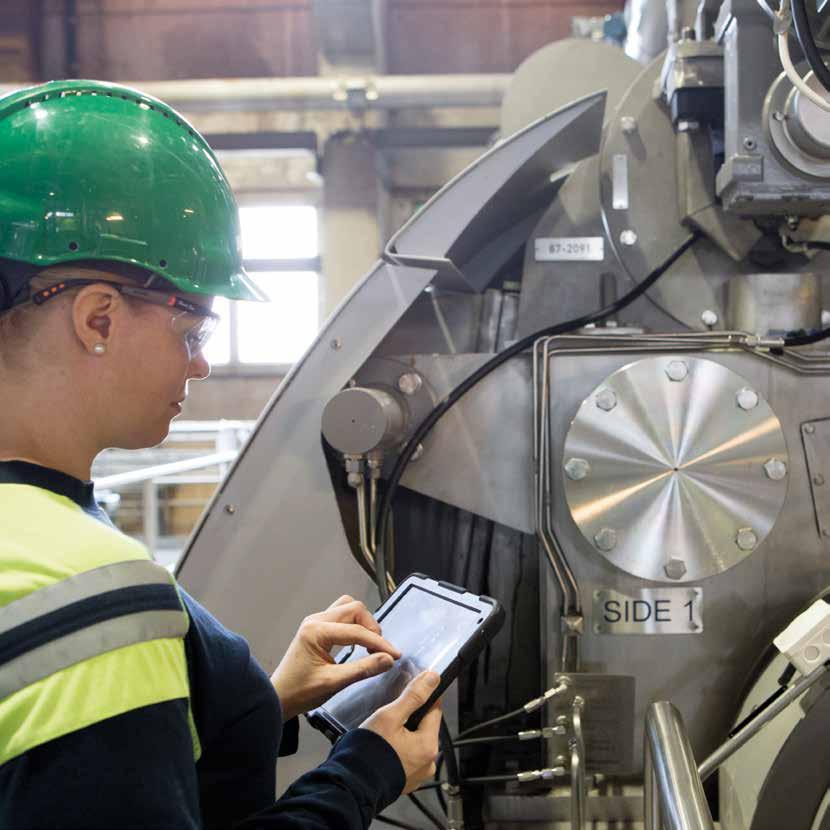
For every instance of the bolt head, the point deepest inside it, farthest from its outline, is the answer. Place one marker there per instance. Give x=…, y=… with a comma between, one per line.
x=336, y=344
x=606, y=539
x=675, y=569
x=750, y=143
x=747, y=399
x=419, y=451
x=779, y=116
x=577, y=469
x=818, y=480
x=709, y=318
x=410, y=382
x=606, y=400
x=628, y=124
x=809, y=429
x=775, y=469
x=230, y=509
x=677, y=370
x=628, y=237
x=746, y=539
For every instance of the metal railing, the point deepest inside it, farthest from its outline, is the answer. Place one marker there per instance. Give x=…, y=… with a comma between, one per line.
x=674, y=796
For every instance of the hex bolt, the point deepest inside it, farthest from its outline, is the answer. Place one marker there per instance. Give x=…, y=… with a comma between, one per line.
x=747, y=399
x=709, y=318
x=750, y=143
x=577, y=469
x=606, y=400
x=677, y=370
x=628, y=237
x=410, y=382
x=779, y=116
x=606, y=539
x=775, y=469
x=818, y=480
x=746, y=539
x=628, y=124
x=809, y=429
x=675, y=569
x=419, y=451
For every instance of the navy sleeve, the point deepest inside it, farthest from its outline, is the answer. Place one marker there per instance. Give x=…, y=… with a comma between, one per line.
x=362, y=776
x=132, y=771
x=238, y=719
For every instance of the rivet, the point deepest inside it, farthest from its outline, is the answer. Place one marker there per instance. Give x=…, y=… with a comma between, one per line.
x=746, y=539
x=230, y=509
x=606, y=539
x=747, y=399
x=606, y=400
x=677, y=370
x=809, y=429
x=577, y=469
x=818, y=480
x=628, y=237
x=410, y=382
x=336, y=344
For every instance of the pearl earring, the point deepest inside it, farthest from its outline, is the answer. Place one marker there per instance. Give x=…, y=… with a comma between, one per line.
x=99, y=348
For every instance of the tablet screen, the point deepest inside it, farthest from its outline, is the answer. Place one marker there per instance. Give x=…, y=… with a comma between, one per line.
x=428, y=629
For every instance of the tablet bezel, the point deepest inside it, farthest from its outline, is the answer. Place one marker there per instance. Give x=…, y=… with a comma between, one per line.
x=492, y=615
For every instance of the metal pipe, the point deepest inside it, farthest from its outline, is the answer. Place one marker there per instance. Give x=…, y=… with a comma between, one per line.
x=680, y=791
x=113, y=482
x=577, y=787
x=726, y=750
x=371, y=92
x=652, y=819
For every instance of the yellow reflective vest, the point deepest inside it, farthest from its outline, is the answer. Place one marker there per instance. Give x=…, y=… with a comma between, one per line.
x=90, y=626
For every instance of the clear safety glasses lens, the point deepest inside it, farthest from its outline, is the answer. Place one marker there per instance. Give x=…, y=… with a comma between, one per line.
x=195, y=334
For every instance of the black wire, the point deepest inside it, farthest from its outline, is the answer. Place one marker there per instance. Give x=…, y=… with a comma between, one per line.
x=490, y=779
x=807, y=339
x=808, y=43
x=395, y=823
x=425, y=427
x=493, y=739
x=515, y=713
x=437, y=778
x=448, y=755
x=433, y=819
x=786, y=676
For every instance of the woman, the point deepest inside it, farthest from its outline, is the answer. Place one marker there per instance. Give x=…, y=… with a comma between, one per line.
x=123, y=702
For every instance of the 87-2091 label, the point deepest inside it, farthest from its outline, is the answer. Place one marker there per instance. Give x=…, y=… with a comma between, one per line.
x=648, y=611
x=569, y=249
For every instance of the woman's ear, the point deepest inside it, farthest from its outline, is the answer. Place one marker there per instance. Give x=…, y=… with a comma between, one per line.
x=94, y=312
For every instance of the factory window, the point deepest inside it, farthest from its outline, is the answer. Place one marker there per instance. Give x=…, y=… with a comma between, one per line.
x=280, y=247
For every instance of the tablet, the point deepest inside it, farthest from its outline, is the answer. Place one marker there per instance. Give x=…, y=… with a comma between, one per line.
x=436, y=626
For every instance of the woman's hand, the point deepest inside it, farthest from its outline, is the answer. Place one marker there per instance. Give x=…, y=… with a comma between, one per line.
x=308, y=676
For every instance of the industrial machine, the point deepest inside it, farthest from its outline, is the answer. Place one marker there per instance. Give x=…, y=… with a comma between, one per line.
x=589, y=378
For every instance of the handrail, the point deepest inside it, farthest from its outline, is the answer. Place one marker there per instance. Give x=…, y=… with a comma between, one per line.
x=674, y=792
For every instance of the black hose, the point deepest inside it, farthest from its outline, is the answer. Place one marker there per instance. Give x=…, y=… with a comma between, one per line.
x=428, y=814
x=425, y=427
x=808, y=43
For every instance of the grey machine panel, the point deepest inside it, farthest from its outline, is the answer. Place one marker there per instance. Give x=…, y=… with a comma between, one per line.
x=270, y=547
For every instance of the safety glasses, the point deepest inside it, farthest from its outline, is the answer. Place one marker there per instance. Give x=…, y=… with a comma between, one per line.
x=194, y=323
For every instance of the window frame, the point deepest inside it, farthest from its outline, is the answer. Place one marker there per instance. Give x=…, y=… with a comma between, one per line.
x=236, y=367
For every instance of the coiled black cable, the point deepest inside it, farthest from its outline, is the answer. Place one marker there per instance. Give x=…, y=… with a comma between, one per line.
x=807, y=42
x=425, y=427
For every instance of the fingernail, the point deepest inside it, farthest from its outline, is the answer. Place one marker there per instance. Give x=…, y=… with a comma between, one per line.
x=432, y=679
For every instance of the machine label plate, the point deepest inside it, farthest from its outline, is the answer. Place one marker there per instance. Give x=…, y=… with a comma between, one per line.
x=570, y=249
x=649, y=611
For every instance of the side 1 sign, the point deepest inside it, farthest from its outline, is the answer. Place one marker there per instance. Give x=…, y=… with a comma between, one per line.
x=648, y=611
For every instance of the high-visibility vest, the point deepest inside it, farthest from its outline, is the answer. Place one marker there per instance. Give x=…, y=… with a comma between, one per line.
x=90, y=626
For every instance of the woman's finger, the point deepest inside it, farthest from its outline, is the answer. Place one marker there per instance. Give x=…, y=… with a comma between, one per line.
x=331, y=634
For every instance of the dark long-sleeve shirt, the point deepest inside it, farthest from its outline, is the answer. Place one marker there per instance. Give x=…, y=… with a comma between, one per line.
x=136, y=770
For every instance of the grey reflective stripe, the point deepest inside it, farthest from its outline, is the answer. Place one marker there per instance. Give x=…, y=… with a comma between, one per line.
x=92, y=640
x=89, y=642
x=81, y=586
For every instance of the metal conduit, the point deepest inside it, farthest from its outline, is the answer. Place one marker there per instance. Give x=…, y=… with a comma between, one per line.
x=373, y=92
x=674, y=792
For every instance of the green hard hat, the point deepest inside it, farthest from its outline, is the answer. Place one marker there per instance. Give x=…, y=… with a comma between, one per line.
x=95, y=171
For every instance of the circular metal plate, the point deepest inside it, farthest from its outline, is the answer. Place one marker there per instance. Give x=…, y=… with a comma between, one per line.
x=686, y=468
